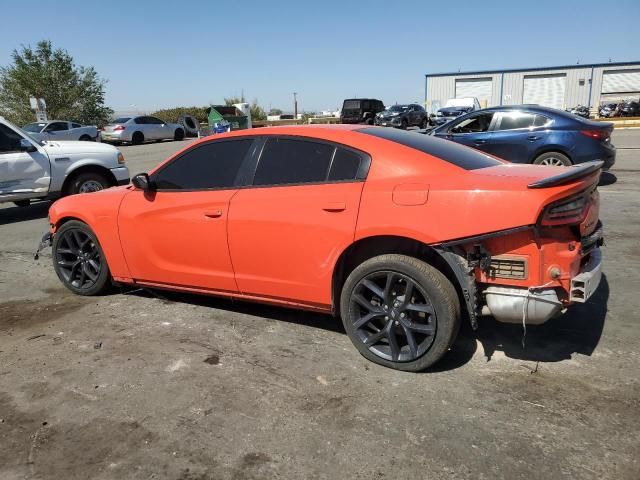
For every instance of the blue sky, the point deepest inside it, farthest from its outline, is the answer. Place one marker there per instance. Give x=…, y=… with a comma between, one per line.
x=162, y=54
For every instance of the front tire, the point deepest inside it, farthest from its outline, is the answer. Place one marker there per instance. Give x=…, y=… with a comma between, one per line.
x=87, y=182
x=400, y=312
x=79, y=261
x=178, y=135
x=22, y=203
x=553, y=159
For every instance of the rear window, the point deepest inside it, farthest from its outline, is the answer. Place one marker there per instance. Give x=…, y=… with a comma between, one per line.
x=351, y=104
x=121, y=120
x=459, y=155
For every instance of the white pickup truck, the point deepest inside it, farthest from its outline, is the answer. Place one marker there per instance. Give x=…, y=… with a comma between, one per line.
x=61, y=130
x=33, y=169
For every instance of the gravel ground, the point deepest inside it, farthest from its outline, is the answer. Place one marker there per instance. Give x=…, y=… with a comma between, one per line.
x=148, y=385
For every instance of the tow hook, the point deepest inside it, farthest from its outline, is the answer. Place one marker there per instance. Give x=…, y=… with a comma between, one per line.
x=47, y=241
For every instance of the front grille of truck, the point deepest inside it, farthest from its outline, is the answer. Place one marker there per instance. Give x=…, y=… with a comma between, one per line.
x=508, y=267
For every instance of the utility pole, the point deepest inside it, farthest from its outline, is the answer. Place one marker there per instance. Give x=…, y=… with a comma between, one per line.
x=295, y=105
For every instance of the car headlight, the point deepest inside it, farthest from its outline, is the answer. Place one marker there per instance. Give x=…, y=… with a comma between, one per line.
x=121, y=158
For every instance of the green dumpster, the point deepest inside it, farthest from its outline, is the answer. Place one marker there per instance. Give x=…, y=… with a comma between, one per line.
x=231, y=114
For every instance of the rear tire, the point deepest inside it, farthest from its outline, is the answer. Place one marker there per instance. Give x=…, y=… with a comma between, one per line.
x=22, y=203
x=79, y=261
x=85, y=138
x=404, y=124
x=553, y=159
x=425, y=123
x=394, y=328
x=137, y=138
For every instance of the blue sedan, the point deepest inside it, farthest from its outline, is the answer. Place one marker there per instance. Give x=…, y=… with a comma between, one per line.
x=533, y=134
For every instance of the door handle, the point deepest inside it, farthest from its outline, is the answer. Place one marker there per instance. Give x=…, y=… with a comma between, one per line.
x=480, y=142
x=213, y=213
x=335, y=207
x=533, y=138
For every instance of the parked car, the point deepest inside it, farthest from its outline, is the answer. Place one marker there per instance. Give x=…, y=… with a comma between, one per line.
x=454, y=107
x=403, y=116
x=32, y=169
x=391, y=230
x=533, y=134
x=609, y=110
x=137, y=130
x=61, y=130
x=580, y=110
x=630, y=108
x=360, y=110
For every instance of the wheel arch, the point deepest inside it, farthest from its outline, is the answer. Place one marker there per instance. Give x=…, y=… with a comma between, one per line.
x=369, y=247
x=551, y=149
x=91, y=168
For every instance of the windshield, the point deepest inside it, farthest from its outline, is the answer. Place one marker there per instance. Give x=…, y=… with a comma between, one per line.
x=33, y=139
x=34, y=127
x=121, y=120
x=399, y=108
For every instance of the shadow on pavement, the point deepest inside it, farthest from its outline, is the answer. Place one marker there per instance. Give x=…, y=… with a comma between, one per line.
x=22, y=214
x=577, y=331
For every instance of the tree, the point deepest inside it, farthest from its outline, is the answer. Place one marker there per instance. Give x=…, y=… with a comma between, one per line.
x=257, y=112
x=275, y=111
x=71, y=92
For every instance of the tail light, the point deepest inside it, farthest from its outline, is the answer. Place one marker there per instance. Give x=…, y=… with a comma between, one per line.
x=599, y=134
x=568, y=211
x=118, y=128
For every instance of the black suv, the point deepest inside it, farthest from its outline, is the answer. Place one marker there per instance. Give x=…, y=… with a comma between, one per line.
x=360, y=110
x=403, y=116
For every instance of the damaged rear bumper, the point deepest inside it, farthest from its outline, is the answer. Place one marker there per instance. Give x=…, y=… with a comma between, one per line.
x=535, y=306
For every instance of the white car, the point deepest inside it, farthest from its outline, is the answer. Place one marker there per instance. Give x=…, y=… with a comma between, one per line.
x=33, y=169
x=61, y=130
x=137, y=130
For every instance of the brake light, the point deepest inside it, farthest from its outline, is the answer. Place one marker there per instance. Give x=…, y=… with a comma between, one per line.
x=567, y=211
x=601, y=134
x=118, y=128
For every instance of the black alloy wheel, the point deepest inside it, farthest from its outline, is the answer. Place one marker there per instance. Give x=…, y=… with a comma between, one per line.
x=79, y=260
x=393, y=316
x=400, y=312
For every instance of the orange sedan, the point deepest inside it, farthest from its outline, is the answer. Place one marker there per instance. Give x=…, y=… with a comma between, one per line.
x=400, y=234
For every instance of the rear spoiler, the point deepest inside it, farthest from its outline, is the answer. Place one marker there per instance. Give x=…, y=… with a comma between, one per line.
x=571, y=174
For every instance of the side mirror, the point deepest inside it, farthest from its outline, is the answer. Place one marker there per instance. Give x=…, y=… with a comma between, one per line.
x=142, y=182
x=27, y=146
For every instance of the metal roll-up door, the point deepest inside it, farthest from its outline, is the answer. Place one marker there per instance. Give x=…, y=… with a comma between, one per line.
x=479, y=88
x=621, y=81
x=545, y=90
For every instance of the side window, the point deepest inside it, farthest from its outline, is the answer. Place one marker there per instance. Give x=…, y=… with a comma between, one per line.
x=516, y=120
x=345, y=165
x=284, y=161
x=56, y=127
x=212, y=165
x=140, y=120
x=75, y=125
x=154, y=121
x=541, y=121
x=475, y=124
x=9, y=140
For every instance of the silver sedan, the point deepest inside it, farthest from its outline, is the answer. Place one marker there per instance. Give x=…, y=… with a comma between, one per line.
x=140, y=129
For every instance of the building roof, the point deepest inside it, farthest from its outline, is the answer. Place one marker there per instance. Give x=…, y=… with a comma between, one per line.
x=512, y=70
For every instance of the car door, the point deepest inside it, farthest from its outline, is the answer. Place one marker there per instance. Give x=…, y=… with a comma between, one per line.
x=142, y=125
x=177, y=234
x=57, y=131
x=21, y=171
x=472, y=130
x=160, y=129
x=287, y=231
x=517, y=134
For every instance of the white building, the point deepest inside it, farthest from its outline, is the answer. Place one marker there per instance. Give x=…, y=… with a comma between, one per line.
x=559, y=87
